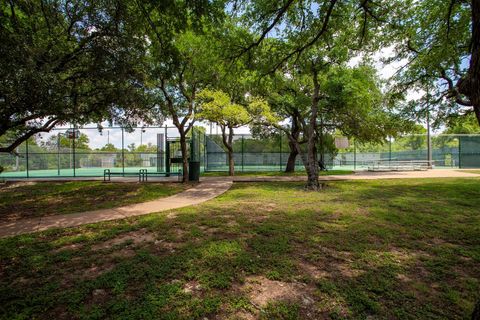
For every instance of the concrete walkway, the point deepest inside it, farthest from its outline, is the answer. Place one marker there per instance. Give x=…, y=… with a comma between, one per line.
x=202, y=192
x=363, y=175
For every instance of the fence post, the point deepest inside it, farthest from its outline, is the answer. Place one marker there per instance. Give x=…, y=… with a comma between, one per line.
x=243, y=160
x=123, y=155
x=26, y=149
x=74, y=150
x=167, y=154
x=167, y=164
x=58, y=154
x=191, y=158
x=205, y=151
x=280, y=165
x=354, y=154
x=459, y=152
x=390, y=149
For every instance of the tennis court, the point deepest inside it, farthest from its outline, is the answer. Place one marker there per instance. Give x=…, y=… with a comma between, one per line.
x=87, y=152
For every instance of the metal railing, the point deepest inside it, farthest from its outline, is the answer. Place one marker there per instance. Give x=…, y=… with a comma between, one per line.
x=408, y=165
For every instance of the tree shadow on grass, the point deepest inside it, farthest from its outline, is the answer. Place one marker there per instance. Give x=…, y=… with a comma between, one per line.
x=50, y=198
x=373, y=265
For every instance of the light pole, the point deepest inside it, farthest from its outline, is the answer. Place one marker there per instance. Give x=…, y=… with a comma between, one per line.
x=389, y=149
x=141, y=135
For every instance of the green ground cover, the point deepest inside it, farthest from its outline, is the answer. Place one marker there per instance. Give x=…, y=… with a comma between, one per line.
x=471, y=171
x=385, y=249
x=276, y=173
x=34, y=199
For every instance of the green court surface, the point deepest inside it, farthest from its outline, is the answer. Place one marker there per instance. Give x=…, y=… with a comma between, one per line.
x=98, y=171
x=64, y=173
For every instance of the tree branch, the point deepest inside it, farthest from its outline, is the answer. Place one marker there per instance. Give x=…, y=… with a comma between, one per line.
x=281, y=11
x=46, y=127
x=298, y=51
x=449, y=17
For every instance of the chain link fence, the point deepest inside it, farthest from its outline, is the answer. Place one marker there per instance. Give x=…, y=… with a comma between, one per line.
x=87, y=152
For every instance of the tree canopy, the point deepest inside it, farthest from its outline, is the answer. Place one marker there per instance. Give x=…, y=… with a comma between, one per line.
x=462, y=125
x=80, y=62
x=216, y=106
x=75, y=62
x=438, y=44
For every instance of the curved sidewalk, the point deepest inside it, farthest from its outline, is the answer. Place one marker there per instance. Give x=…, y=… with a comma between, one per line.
x=364, y=175
x=204, y=191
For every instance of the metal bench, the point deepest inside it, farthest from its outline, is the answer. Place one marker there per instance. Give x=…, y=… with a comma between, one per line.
x=406, y=165
x=162, y=174
x=142, y=174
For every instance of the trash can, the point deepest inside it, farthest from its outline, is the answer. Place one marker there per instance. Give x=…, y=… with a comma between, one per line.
x=194, y=171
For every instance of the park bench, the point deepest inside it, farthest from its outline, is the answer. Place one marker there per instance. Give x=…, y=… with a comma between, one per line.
x=406, y=165
x=142, y=174
x=161, y=174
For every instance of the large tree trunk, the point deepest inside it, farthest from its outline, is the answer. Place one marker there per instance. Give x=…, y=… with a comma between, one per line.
x=470, y=84
x=292, y=158
x=292, y=138
x=474, y=70
x=184, y=148
x=321, y=161
x=231, y=164
x=476, y=311
x=228, y=143
x=312, y=163
x=309, y=158
x=312, y=169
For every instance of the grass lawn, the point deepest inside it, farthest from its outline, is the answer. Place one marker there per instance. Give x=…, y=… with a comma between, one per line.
x=386, y=249
x=34, y=199
x=471, y=171
x=276, y=173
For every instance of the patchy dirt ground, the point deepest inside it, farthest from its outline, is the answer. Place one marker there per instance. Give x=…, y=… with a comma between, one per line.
x=262, y=291
x=134, y=237
x=20, y=200
x=357, y=250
